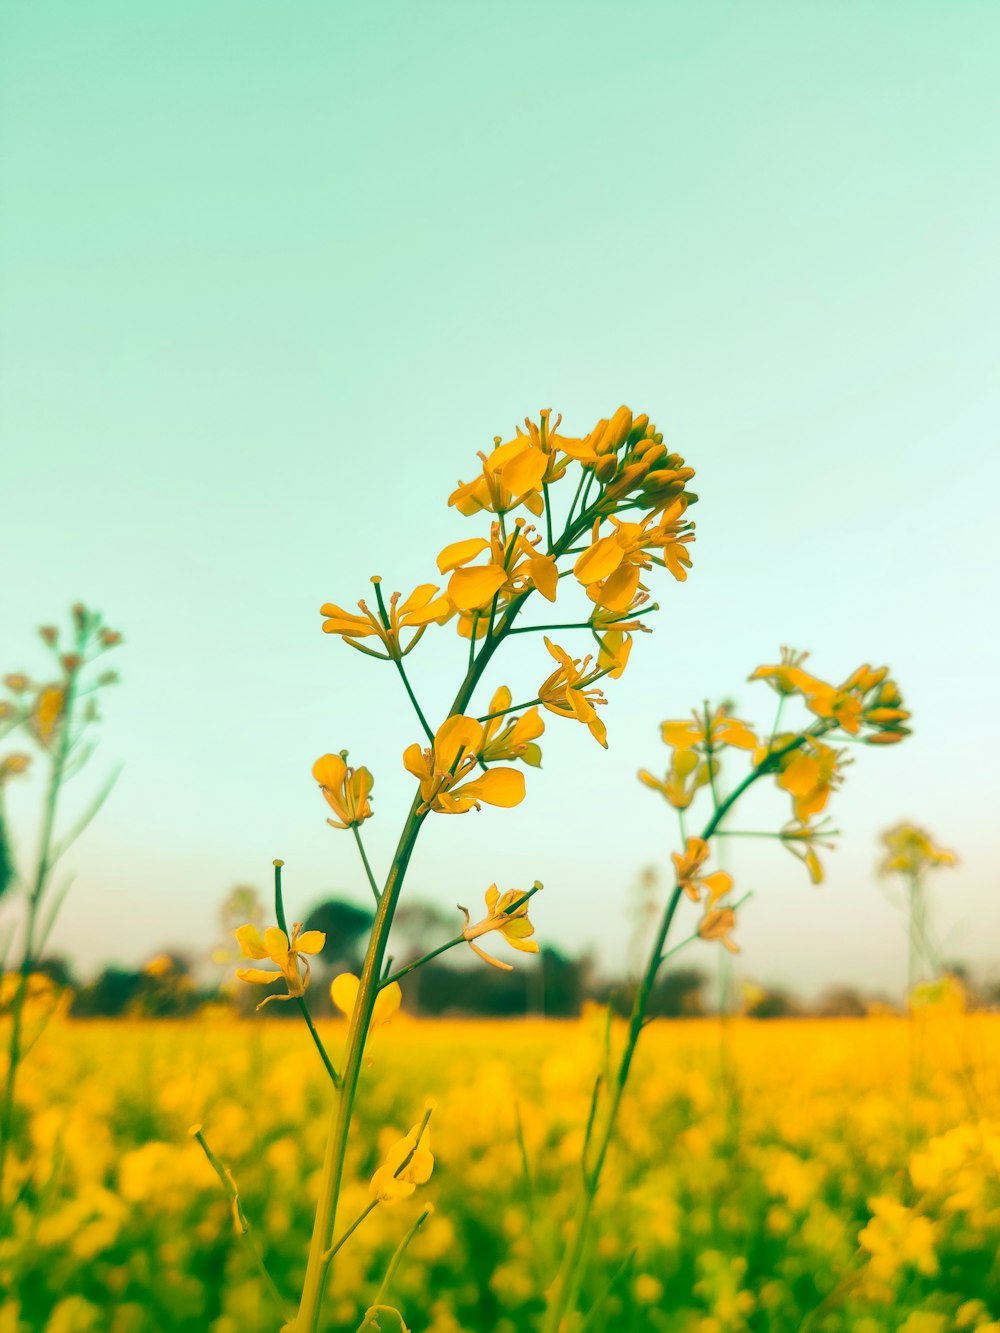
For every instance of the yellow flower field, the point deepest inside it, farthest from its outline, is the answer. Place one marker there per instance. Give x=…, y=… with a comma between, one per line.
x=767, y=1176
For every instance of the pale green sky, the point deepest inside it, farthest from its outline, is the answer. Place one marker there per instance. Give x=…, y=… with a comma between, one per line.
x=272, y=274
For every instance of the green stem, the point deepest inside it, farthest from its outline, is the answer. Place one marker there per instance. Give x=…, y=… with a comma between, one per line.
x=413, y=699
x=567, y=1281
x=319, y=1260
x=240, y=1218
x=368, y=870
x=279, y=912
x=397, y=1256
x=43, y=869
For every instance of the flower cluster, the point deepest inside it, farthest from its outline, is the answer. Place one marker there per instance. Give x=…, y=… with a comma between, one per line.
x=627, y=515
x=866, y=707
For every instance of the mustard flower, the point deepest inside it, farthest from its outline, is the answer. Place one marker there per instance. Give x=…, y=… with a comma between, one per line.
x=787, y=676
x=910, y=850
x=513, y=567
x=443, y=771
x=809, y=775
x=408, y=1163
x=687, y=867
x=716, y=924
x=568, y=692
x=12, y=765
x=687, y=772
x=287, y=954
x=802, y=840
x=344, y=993
x=422, y=608
x=720, y=730
x=511, y=738
x=47, y=711
x=515, y=472
x=513, y=925
x=346, y=790
x=609, y=567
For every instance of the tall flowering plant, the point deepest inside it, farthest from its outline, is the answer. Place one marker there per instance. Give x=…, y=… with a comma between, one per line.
x=48, y=723
x=588, y=521
x=806, y=762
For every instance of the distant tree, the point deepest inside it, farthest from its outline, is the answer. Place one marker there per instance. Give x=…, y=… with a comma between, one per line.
x=343, y=924
x=777, y=1003
x=418, y=927
x=59, y=969
x=109, y=995
x=678, y=994
x=841, y=1002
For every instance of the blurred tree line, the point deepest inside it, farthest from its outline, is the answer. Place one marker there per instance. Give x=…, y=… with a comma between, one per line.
x=176, y=985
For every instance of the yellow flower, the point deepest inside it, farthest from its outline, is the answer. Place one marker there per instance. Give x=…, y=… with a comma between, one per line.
x=274, y=944
x=162, y=965
x=609, y=567
x=809, y=775
x=513, y=567
x=716, y=924
x=898, y=1236
x=16, y=681
x=408, y=1163
x=443, y=771
x=802, y=839
x=568, y=692
x=513, y=925
x=787, y=677
x=721, y=730
x=422, y=608
x=616, y=647
x=511, y=738
x=13, y=764
x=686, y=774
x=346, y=790
x=344, y=993
x=910, y=850
x=687, y=865
x=866, y=699
x=47, y=711
x=601, y=446
x=515, y=472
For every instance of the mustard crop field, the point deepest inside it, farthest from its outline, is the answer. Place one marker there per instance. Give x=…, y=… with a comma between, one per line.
x=796, y=1175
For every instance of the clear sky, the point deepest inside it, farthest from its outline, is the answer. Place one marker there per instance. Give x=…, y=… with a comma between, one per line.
x=272, y=274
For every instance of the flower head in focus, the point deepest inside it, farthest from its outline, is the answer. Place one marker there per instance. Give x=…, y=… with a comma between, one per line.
x=422, y=608
x=508, y=914
x=512, y=567
x=569, y=691
x=444, y=771
x=346, y=790
x=507, y=737
x=275, y=945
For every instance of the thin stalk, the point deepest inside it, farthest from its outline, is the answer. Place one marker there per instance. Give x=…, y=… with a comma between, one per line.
x=279, y=912
x=240, y=1217
x=389, y=978
x=36, y=892
x=368, y=870
x=318, y=1263
x=413, y=699
x=567, y=1281
x=397, y=1257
